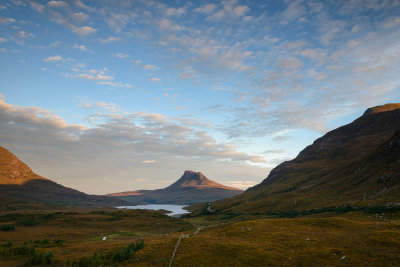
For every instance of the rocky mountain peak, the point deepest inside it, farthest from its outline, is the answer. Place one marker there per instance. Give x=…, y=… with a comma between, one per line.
x=190, y=176
x=197, y=180
x=194, y=179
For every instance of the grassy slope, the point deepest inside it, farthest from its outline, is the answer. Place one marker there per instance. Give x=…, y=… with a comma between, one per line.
x=359, y=241
x=355, y=164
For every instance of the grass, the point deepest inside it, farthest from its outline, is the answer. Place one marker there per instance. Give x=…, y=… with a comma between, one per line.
x=72, y=234
x=75, y=236
x=292, y=242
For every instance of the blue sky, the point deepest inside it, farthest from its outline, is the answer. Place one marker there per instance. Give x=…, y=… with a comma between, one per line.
x=106, y=96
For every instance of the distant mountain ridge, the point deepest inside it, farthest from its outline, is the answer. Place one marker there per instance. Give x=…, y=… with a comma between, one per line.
x=356, y=164
x=192, y=187
x=18, y=181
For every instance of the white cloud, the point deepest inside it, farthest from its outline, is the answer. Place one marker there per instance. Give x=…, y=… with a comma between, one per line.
x=149, y=67
x=24, y=34
x=4, y=21
x=84, y=30
x=97, y=77
x=122, y=55
x=80, y=4
x=207, y=9
x=55, y=44
x=169, y=25
x=3, y=40
x=289, y=63
x=79, y=17
x=82, y=48
x=57, y=4
x=241, y=184
x=230, y=9
x=116, y=84
x=53, y=59
x=294, y=10
x=175, y=11
x=117, y=21
x=149, y=161
x=155, y=79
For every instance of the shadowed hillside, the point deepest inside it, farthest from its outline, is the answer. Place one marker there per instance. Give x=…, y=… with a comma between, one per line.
x=356, y=164
x=18, y=181
x=192, y=187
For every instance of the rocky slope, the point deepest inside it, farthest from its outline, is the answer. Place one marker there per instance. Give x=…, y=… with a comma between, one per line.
x=356, y=164
x=18, y=181
x=192, y=187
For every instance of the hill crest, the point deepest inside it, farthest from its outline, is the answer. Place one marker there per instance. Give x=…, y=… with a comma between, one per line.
x=355, y=164
x=18, y=181
x=382, y=108
x=14, y=171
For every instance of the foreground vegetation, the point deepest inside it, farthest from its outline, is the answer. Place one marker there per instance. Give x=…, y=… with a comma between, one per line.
x=78, y=237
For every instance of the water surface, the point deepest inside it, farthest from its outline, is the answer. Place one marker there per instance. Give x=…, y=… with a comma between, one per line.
x=174, y=209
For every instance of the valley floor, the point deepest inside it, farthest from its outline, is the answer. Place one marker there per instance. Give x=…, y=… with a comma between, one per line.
x=349, y=239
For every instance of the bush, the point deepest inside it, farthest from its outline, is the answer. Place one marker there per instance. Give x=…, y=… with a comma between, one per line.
x=59, y=241
x=29, y=222
x=8, y=227
x=112, y=258
x=34, y=256
x=43, y=242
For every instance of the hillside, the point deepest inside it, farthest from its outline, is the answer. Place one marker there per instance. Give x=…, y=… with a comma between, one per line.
x=192, y=187
x=356, y=164
x=19, y=182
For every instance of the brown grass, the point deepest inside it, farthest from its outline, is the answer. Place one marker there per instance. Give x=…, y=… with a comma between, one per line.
x=351, y=239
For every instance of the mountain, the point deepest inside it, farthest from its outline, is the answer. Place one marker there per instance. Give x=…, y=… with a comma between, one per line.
x=18, y=181
x=192, y=187
x=357, y=164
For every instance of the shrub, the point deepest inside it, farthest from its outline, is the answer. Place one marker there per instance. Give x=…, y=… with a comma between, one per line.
x=29, y=222
x=8, y=227
x=34, y=256
x=112, y=258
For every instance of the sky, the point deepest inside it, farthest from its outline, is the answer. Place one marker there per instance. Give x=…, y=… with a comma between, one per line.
x=110, y=96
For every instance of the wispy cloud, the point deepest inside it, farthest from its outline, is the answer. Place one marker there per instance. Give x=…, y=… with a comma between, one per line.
x=97, y=77
x=207, y=9
x=121, y=55
x=110, y=39
x=57, y=4
x=82, y=48
x=149, y=161
x=155, y=79
x=149, y=67
x=53, y=59
x=4, y=21
x=84, y=30
x=242, y=184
